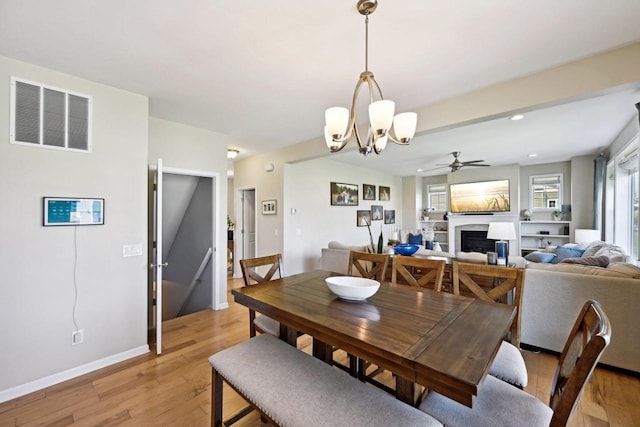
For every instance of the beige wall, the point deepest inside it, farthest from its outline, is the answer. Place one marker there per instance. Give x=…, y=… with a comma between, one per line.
x=315, y=222
x=37, y=289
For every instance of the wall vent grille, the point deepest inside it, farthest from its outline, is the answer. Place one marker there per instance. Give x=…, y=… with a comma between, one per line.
x=49, y=117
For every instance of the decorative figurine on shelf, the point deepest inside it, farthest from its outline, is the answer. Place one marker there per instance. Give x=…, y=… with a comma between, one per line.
x=445, y=216
x=526, y=215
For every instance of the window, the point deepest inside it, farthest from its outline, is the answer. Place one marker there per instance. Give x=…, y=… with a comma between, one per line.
x=437, y=198
x=622, y=219
x=49, y=117
x=546, y=192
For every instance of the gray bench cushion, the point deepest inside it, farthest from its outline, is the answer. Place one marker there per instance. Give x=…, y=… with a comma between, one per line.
x=498, y=404
x=296, y=389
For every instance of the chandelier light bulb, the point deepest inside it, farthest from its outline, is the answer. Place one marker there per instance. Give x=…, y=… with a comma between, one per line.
x=404, y=125
x=337, y=120
x=331, y=144
x=381, y=116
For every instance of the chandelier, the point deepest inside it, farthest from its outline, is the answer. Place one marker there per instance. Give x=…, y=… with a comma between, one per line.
x=340, y=124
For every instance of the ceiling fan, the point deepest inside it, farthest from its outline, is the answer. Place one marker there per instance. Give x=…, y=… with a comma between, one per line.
x=457, y=164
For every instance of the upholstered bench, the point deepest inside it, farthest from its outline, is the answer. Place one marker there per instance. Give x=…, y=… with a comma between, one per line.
x=291, y=388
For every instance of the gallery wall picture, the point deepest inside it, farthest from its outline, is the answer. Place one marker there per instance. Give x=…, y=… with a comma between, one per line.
x=363, y=218
x=344, y=194
x=269, y=207
x=390, y=216
x=376, y=212
x=368, y=192
x=384, y=193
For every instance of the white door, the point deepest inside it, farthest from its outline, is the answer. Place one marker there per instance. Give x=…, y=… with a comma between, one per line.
x=248, y=224
x=158, y=263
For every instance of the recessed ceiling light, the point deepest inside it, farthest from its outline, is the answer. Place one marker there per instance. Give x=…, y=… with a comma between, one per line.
x=232, y=153
x=516, y=117
x=420, y=170
x=531, y=155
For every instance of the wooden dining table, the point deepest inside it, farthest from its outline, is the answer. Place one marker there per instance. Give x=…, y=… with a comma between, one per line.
x=438, y=340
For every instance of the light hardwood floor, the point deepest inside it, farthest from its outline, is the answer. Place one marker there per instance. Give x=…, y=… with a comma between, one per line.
x=174, y=388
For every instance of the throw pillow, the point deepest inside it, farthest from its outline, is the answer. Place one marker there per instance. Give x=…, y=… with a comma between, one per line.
x=415, y=239
x=539, y=256
x=593, y=247
x=598, y=261
x=563, y=252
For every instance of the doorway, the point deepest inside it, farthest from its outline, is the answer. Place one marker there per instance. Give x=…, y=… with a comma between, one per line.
x=246, y=238
x=182, y=235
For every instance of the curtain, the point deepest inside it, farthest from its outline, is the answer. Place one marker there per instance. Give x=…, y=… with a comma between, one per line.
x=599, y=166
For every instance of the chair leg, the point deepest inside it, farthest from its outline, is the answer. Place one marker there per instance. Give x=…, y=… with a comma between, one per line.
x=252, y=325
x=216, y=399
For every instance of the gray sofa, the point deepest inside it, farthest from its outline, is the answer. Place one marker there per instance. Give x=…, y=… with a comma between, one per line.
x=553, y=296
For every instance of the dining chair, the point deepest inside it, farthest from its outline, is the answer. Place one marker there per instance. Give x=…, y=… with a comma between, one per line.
x=499, y=404
x=502, y=285
x=370, y=266
x=418, y=272
x=250, y=266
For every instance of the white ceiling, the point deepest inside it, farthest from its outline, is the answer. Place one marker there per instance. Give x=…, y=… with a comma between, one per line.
x=263, y=72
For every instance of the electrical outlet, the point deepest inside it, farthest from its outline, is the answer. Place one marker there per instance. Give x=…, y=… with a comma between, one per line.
x=77, y=337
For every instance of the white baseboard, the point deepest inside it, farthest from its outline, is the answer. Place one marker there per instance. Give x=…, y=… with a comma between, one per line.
x=30, y=387
x=222, y=306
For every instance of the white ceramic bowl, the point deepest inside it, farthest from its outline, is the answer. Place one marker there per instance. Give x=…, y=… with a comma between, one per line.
x=352, y=288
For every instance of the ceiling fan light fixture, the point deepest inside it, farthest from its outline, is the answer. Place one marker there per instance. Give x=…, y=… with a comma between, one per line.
x=341, y=123
x=232, y=153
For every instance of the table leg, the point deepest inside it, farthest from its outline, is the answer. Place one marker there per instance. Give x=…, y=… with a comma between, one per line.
x=288, y=335
x=323, y=351
x=405, y=390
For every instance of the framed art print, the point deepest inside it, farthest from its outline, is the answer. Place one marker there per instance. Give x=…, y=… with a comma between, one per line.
x=344, y=194
x=269, y=207
x=368, y=192
x=384, y=193
x=363, y=218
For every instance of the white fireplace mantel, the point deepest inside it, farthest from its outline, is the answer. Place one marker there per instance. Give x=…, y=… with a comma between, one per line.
x=456, y=221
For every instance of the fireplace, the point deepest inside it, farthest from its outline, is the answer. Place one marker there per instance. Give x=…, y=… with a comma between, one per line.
x=476, y=241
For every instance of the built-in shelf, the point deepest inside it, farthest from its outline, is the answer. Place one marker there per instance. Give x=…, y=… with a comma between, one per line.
x=533, y=236
x=440, y=231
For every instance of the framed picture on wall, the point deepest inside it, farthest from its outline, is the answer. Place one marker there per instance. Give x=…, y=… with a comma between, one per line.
x=363, y=218
x=269, y=207
x=376, y=212
x=384, y=193
x=344, y=194
x=390, y=217
x=368, y=192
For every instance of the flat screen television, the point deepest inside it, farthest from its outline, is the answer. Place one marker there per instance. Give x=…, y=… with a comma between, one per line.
x=479, y=197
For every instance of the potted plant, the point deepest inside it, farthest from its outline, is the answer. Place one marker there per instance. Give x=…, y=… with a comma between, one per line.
x=557, y=215
x=230, y=227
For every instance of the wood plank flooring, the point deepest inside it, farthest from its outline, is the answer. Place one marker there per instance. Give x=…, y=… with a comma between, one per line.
x=174, y=389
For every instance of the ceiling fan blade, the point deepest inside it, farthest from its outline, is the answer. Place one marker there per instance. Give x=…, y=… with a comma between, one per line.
x=472, y=161
x=432, y=169
x=478, y=165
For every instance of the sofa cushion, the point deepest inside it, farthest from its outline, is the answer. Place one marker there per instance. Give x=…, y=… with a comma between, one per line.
x=540, y=256
x=576, y=269
x=338, y=245
x=594, y=247
x=563, y=252
x=625, y=268
x=598, y=261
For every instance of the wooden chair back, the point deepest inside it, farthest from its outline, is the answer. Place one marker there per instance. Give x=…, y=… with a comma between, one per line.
x=368, y=265
x=252, y=277
x=492, y=283
x=420, y=272
x=589, y=337
x=250, y=265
